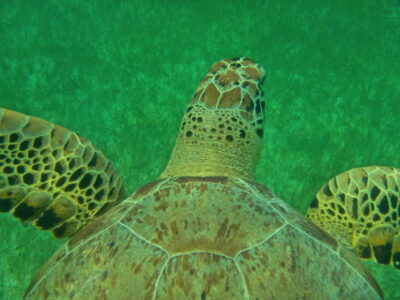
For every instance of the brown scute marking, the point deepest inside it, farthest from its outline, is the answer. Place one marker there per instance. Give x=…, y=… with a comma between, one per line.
x=288, y=258
x=205, y=80
x=221, y=65
x=211, y=179
x=114, y=256
x=57, y=256
x=252, y=74
x=41, y=157
x=235, y=65
x=230, y=99
x=227, y=78
x=210, y=96
x=97, y=271
x=363, y=203
x=101, y=223
x=200, y=276
x=145, y=189
x=252, y=88
x=196, y=98
x=251, y=187
x=171, y=218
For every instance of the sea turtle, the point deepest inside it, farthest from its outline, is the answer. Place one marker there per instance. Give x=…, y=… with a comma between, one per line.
x=204, y=230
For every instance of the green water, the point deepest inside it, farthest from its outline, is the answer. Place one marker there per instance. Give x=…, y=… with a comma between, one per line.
x=121, y=72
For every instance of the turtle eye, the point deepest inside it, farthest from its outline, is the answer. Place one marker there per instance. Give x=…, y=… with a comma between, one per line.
x=396, y=260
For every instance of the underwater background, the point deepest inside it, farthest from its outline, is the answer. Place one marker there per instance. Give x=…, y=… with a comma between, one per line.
x=120, y=73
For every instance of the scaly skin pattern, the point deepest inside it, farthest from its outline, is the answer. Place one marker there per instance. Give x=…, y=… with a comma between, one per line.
x=221, y=131
x=361, y=209
x=51, y=177
x=205, y=229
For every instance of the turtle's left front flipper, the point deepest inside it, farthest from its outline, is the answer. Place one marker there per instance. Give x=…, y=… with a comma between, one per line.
x=361, y=209
x=51, y=177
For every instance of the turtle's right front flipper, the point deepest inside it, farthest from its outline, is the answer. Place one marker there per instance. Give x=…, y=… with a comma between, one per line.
x=51, y=177
x=361, y=209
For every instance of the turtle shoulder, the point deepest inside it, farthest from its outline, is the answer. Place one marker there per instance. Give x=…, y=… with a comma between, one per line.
x=203, y=238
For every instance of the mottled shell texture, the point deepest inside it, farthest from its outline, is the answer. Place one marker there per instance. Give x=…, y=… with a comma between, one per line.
x=203, y=238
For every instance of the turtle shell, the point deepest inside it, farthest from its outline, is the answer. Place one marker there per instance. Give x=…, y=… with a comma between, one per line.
x=203, y=238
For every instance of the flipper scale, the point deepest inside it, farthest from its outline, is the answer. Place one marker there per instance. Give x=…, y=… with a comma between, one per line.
x=51, y=177
x=361, y=209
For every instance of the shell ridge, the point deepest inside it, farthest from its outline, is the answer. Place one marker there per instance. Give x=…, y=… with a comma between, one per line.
x=277, y=211
x=134, y=204
x=263, y=241
x=143, y=239
x=337, y=253
x=65, y=246
x=246, y=290
x=87, y=239
x=358, y=273
x=159, y=278
x=201, y=252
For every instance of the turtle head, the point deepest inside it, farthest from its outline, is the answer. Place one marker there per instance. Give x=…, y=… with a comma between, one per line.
x=222, y=129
